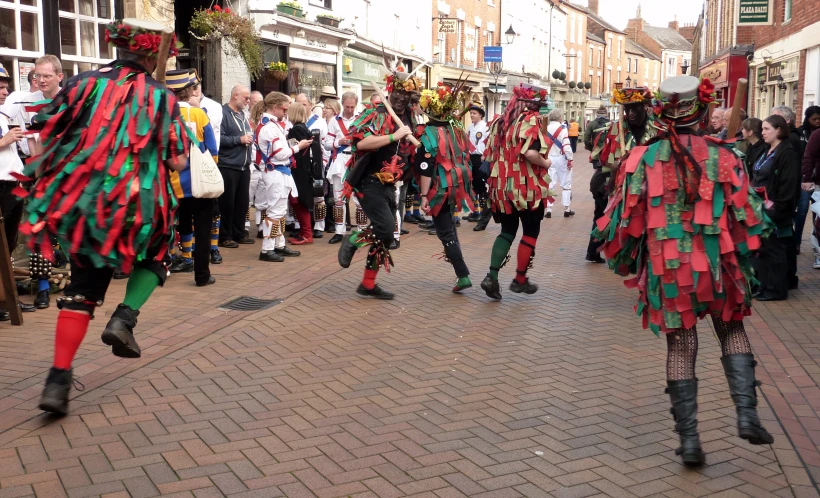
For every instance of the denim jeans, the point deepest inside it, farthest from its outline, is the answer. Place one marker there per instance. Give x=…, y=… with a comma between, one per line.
x=800, y=216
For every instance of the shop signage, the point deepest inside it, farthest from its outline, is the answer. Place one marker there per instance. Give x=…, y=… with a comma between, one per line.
x=315, y=42
x=715, y=72
x=774, y=71
x=492, y=54
x=363, y=70
x=447, y=25
x=311, y=55
x=754, y=12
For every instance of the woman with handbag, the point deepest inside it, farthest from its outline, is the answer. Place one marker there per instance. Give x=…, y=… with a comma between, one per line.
x=302, y=164
x=194, y=215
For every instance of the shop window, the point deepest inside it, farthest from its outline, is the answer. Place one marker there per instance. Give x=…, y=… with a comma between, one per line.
x=310, y=77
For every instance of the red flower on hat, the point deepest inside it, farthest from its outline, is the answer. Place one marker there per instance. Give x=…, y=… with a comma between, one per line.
x=706, y=91
x=543, y=94
x=144, y=42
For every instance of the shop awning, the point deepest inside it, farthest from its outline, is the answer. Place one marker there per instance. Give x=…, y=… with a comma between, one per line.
x=497, y=89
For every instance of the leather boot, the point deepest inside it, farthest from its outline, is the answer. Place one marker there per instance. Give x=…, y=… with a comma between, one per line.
x=740, y=372
x=684, y=397
x=55, y=394
x=346, y=252
x=119, y=333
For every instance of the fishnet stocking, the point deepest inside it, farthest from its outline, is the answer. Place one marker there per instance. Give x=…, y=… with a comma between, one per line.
x=682, y=351
x=732, y=337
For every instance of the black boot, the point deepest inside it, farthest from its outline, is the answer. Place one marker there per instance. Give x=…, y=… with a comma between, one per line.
x=491, y=287
x=527, y=287
x=42, y=300
x=740, y=372
x=119, y=333
x=376, y=292
x=55, y=394
x=684, y=397
x=346, y=252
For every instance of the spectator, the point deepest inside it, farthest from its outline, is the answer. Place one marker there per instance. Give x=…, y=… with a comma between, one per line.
x=332, y=109
x=303, y=162
x=194, y=215
x=811, y=182
x=727, y=117
x=375, y=99
x=777, y=172
x=234, y=164
x=752, y=131
x=574, y=131
x=316, y=124
x=716, y=121
x=11, y=206
x=214, y=111
x=560, y=155
x=811, y=123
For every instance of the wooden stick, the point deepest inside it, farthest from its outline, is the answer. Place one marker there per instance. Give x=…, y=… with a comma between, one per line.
x=737, y=105
x=162, y=57
x=392, y=113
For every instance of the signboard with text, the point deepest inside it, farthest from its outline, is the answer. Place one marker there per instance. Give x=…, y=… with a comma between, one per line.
x=447, y=25
x=754, y=12
x=492, y=54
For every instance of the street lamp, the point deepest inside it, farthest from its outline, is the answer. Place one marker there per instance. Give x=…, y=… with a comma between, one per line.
x=628, y=82
x=684, y=67
x=510, y=34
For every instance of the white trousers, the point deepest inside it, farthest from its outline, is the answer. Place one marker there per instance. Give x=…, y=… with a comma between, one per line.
x=560, y=175
x=272, y=193
x=318, y=224
x=252, y=194
x=339, y=202
x=399, y=202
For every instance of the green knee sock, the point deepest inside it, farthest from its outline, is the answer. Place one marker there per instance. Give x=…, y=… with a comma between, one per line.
x=354, y=240
x=141, y=284
x=501, y=247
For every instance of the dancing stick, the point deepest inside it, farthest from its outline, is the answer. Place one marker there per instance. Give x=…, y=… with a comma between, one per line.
x=162, y=58
x=737, y=105
x=392, y=113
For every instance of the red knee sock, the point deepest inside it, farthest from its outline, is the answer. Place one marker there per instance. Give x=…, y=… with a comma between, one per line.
x=526, y=248
x=369, y=280
x=71, y=329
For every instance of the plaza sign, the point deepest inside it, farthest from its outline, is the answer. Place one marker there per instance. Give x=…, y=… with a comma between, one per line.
x=754, y=12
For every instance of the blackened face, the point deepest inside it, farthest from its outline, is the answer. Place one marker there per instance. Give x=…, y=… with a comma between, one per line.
x=399, y=100
x=635, y=115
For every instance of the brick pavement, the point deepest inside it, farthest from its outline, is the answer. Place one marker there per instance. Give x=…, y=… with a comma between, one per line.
x=556, y=394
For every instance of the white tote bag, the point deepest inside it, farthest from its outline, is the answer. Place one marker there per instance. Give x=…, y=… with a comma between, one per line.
x=206, y=180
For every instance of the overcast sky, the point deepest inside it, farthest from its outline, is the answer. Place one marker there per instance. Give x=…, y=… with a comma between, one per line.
x=656, y=13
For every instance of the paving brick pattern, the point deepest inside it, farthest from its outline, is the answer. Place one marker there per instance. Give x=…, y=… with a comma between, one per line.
x=433, y=394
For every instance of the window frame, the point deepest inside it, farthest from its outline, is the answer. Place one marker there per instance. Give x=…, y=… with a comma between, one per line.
x=72, y=62
x=14, y=54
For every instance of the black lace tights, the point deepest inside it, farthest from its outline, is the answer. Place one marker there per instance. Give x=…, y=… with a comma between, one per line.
x=682, y=347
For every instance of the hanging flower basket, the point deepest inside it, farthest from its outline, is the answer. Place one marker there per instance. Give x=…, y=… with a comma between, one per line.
x=290, y=8
x=328, y=20
x=276, y=72
x=243, y=41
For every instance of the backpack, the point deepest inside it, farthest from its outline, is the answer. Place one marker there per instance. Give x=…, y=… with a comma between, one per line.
x=598, y=135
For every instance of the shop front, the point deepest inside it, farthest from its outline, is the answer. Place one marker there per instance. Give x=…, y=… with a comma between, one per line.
x=724, y=71
x=777, y=85
x=363, y=63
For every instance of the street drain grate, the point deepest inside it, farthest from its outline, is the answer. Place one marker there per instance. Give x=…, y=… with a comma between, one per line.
x=247, y=303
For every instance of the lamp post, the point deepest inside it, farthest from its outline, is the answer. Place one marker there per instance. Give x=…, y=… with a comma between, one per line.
x=510, y=34
x=684, y=67
x=495, y=68
x=628, y=82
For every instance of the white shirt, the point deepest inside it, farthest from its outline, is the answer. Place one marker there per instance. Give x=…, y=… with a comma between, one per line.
x=15, y=109
x=214, y=111
x=563, y=138
x=336, y=135
x=478, y=137
x=9, y=160
x=273, y=141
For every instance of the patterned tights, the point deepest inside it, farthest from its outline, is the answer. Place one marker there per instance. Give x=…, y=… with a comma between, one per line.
x=682, y=347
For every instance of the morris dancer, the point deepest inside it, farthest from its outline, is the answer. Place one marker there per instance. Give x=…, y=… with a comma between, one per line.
x=477, y=132
x=381, y=158
x=518, y=185
x=685, y=220
x=339, y=130
x=109, y=205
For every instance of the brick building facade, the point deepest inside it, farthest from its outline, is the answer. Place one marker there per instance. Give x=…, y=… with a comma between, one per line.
x=673, y=50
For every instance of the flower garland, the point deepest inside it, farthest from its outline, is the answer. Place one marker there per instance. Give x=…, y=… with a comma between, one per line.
x=240, y=33
x=630, y=96
x=531, y=94
x=394, y=82
x=444, y=102
x=137, y=40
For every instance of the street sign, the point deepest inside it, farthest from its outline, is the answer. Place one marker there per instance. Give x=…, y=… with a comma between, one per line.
x=492, y=54
x=446, y=25
x=754, y=12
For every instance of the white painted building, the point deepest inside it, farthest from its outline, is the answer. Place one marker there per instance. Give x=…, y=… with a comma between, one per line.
x=539, y=45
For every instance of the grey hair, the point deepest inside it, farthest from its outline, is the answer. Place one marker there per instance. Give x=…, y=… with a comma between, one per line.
x=786, y=112
x=556, y=115
x=350, y=95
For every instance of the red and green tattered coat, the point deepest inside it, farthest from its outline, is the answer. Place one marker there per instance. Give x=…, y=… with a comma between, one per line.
x=444, y=157
x=103, y=190
x=688, y=237
x=514, y=183
x=608, y=151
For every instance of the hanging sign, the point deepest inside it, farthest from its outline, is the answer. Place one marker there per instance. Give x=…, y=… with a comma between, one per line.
x=754, y=12
x=447, y=25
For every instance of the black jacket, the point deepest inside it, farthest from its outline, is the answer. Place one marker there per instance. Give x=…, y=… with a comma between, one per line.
x=233, y=154
x=753, y=153
x=599, y=122
x=780, y=176
x=302, y=164
x=796, y=139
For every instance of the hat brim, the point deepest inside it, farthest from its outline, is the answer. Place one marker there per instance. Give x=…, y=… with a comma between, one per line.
x=478, y=109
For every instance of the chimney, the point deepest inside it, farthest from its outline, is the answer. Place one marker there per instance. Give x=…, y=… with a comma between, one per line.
x=593, y=6
x=674, y=24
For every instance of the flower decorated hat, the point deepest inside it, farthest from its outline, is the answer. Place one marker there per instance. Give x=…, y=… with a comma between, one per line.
x=681, y=101
x=445, y=101
x=531, y=95
x=140, y=37
x=398, y=78
x=631, y=96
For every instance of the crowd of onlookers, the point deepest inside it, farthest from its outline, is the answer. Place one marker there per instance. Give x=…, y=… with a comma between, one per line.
x=783, y=162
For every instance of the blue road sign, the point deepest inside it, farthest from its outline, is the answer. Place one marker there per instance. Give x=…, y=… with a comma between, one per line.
x=492, y=54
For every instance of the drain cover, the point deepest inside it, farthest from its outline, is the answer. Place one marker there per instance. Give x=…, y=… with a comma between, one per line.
x=247, y=303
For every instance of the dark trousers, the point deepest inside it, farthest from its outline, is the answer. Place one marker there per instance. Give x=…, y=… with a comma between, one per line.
x=479, y=182
x=195, y=216
x=233, y=203
x=573, y=142
x=11, y=207
x=530, y=222
x=446, y=232
x=378, y=202
x=92, y=283
x=769, y=265
x=600, y=199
